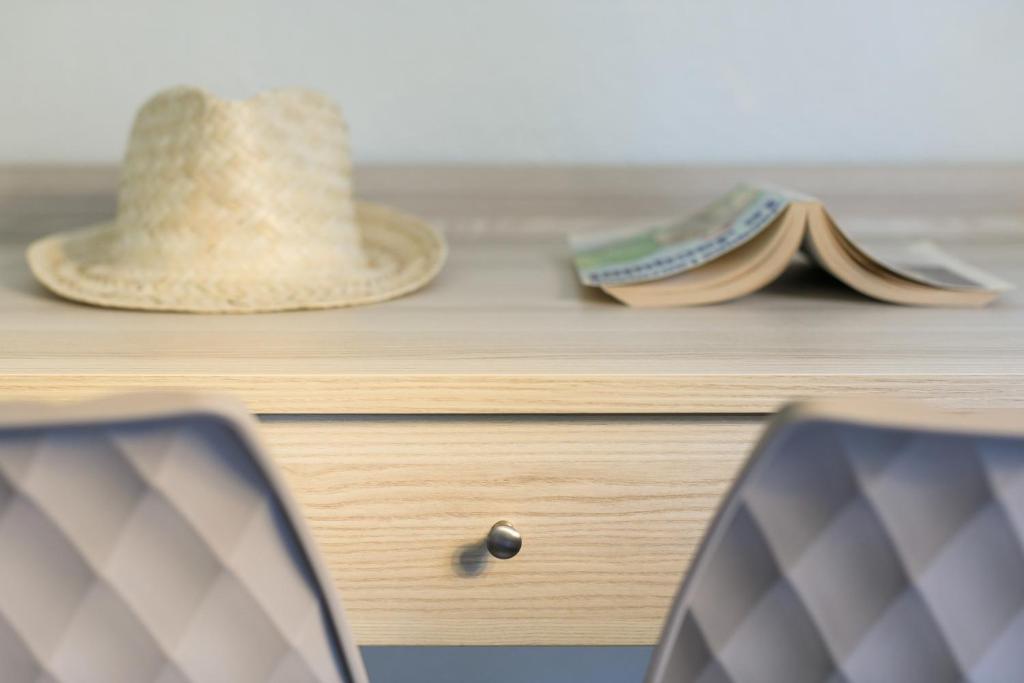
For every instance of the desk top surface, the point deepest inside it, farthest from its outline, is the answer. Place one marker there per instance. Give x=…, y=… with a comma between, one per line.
x=506, y=328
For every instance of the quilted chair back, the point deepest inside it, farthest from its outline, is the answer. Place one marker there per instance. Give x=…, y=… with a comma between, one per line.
x=852, y=550
x=151, y=540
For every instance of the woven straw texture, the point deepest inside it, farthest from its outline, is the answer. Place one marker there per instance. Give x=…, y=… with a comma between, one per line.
x=239, y=206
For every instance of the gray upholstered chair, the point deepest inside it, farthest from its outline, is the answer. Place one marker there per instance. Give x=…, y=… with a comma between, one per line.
x=151, y=540
x=861, y=544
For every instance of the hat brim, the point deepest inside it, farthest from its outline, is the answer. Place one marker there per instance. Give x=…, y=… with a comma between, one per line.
x=403, y=252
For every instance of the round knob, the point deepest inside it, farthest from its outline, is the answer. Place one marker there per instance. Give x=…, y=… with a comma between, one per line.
x=503, y=541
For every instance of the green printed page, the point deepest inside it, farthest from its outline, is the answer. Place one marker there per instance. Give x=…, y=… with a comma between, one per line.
x=629, y=257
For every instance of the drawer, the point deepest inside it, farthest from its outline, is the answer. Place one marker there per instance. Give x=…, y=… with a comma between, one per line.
x=610, y=510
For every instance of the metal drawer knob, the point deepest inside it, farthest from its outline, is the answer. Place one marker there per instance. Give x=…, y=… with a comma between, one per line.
x=503, y=541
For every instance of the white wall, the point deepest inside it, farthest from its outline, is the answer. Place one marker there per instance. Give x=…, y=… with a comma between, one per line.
x=541, y=80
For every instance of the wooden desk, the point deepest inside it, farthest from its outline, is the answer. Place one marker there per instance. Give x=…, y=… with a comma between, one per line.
x=506, y=391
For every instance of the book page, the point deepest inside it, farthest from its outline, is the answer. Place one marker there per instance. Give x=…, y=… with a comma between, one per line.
x=917, y=262
x=634, y=256
x=737, y=273
x=924, y=262
x=827, y=245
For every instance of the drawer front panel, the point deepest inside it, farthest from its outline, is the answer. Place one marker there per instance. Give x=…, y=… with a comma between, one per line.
x=610, y=510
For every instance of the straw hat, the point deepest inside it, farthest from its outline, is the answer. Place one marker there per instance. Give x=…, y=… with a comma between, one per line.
x=239, y=206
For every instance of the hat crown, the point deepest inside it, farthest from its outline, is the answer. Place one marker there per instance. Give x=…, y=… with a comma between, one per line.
x=219, y=178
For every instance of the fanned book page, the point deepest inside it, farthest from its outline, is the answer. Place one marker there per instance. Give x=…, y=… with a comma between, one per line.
x=745, y=239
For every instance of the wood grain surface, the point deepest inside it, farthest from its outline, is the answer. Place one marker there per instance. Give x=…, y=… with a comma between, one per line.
x=506, y=328
x=610, y=510
x=611, y=505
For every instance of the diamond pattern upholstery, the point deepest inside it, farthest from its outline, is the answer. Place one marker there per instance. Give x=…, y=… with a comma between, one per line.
x=156, y=549
x=851, y=553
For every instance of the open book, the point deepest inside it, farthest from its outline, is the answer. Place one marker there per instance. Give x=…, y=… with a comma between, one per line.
x=745, y=239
